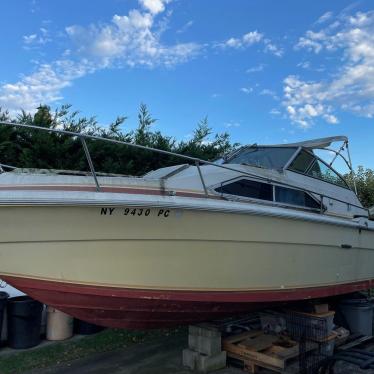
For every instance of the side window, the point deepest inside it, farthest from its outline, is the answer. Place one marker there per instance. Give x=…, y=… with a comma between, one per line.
x=248, y=188
x=321, y=171
x=295, y=197
x=302, y=162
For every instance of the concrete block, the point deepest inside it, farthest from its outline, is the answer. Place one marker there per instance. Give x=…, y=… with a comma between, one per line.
x=204, y=329
x=190, y=358
x=206, y=345
x=206, y=364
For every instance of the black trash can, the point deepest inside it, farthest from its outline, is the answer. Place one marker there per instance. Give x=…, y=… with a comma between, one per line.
x=24, y=322
x=86, y=328
x=3, y=301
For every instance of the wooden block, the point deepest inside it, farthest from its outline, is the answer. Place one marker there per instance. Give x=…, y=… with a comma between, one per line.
x=321, y=308
x=318, y=315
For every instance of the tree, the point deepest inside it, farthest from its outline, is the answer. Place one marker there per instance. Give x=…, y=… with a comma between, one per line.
x=39, y=149
x=364, y=179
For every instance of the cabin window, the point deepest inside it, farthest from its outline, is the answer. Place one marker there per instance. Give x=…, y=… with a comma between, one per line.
x=302, y=162
x=295, y=197
x=248, y=188
x=263, y=157
x=322, y=171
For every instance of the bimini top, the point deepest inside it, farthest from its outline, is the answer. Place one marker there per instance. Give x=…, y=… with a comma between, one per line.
x=318, y=143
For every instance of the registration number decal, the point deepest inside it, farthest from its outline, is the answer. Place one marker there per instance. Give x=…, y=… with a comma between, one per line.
x=147, y=212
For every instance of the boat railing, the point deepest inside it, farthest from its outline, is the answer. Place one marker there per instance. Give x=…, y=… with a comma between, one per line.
x=196, y=161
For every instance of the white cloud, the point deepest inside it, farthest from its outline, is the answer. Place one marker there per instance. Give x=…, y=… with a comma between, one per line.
x=304, y=64
x=325, y=17
x=272, y=48
x=37, y=39
x=246, y=90
x=43, y=86
x=312, y=41
x=185, y=27
x=252, y=37
x=271, y=93
x=330, y=118
x=275, y=112
x=256, y=69
x=249, y=39
x=131, y=40
x=232, y=124
x=28, y=39
x=128, y=40
x=154, y=6
x=350, y=87
x=244, y=41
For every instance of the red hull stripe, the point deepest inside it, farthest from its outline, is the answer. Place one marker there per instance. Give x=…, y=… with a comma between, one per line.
x=197, y=296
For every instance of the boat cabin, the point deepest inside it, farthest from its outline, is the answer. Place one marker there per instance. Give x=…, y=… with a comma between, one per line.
x=291, y=176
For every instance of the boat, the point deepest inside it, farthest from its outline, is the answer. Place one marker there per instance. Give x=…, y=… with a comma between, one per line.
x=191, y=242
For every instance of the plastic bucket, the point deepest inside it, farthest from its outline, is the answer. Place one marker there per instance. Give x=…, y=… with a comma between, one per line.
x=59, y=325
x=3, y=301
x=24, y=322
x=358, y=314
x=86, y=328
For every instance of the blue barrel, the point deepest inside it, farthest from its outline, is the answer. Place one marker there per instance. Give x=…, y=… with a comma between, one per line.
x=24, y=322
x=3, y=301
x=358, y=314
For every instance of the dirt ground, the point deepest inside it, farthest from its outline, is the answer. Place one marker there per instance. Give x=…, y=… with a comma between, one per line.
x=162, y=356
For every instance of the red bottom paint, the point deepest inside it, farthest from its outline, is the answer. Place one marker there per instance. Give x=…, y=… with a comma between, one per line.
x=145, y=309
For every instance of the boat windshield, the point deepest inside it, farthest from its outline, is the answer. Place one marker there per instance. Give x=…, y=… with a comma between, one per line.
x=308, y=164
x=263, y=157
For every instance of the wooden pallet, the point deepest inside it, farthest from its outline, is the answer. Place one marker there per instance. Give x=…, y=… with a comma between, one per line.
x=256, y=349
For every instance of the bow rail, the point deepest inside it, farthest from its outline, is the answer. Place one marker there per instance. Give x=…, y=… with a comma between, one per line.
x=196, y=161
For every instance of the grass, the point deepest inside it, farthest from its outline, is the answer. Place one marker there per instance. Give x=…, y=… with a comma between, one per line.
x=50, y=355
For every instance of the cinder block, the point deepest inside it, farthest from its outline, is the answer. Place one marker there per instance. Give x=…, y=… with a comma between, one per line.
x=206, y=345
x=206, y=364
x=190, y=358
x=204, y=329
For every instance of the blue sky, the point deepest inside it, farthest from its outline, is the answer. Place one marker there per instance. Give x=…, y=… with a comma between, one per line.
x=264, y=71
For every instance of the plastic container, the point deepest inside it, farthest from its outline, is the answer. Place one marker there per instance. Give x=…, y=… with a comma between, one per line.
x=358, y=314
x=3, y=301
x=59, y=325
x=86, y=328
x=24, y=322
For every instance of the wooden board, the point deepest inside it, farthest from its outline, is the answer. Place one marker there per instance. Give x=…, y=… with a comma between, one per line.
x=258, y=343
x=263, y=350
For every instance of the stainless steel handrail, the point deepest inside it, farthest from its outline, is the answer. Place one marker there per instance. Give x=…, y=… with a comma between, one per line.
x=195, y=160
